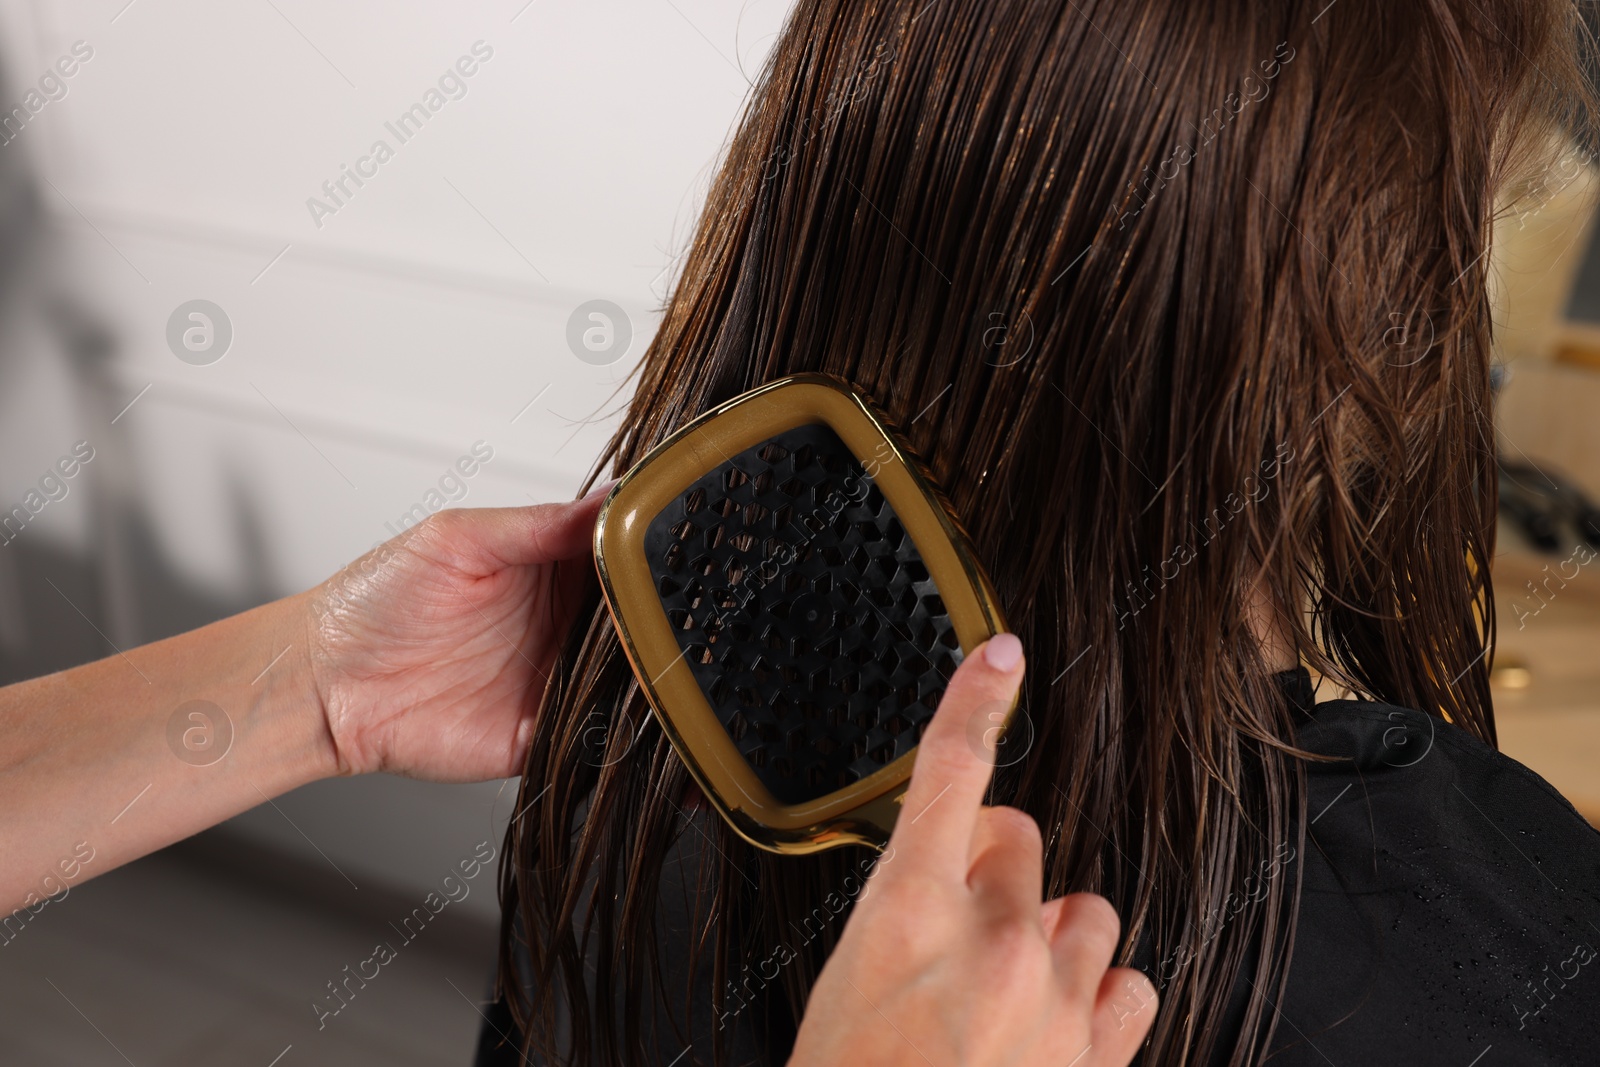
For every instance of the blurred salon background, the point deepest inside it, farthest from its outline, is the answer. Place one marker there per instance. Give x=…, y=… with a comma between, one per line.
x=261, y=343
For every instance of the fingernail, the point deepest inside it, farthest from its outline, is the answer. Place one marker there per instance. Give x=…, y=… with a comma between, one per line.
x=1003, y=651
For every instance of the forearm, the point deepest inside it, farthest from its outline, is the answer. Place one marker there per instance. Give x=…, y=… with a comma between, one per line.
x=120, y=757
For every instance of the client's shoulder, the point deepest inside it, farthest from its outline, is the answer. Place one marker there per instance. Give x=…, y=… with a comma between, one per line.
x=1450, y=900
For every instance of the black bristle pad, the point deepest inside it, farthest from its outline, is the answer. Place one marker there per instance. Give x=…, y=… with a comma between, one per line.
x=805, y=611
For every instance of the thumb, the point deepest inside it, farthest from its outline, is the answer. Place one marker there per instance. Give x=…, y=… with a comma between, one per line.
x=487, y=540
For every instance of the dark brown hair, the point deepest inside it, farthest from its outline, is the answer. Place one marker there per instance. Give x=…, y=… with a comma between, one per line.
x=1184, y=304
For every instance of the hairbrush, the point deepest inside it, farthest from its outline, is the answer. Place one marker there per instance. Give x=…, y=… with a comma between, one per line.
x=793, y=594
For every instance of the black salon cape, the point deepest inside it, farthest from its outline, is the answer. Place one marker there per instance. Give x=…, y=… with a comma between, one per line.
x=1450, y=909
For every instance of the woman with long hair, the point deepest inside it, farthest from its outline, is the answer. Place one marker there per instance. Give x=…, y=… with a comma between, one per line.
x=1185, y=307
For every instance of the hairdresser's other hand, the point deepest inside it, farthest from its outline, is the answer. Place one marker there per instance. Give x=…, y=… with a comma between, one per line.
x=951, y=957
x=431, y=651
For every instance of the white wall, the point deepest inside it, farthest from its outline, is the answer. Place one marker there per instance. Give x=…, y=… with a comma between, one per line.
x=371, y=350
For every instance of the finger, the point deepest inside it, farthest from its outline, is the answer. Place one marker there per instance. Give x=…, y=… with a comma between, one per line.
x=1083, y=942
x=954, y=762
x=1007, y=872
x=486, y=540
x=1125, y=1009
x=1050, y=916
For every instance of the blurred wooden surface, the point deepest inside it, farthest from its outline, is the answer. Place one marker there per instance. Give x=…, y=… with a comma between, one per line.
x=1549, y=414
x=1547, y=669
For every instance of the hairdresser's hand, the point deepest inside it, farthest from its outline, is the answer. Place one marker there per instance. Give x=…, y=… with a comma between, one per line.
x=951, y=957
x=431, y=652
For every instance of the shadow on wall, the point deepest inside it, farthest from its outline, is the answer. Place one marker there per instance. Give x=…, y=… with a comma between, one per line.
x=72, y=607
x=62, y=605
x=90, y=575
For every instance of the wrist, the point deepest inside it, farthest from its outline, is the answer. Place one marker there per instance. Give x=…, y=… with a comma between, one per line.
x=286, y=697
x=315, y=678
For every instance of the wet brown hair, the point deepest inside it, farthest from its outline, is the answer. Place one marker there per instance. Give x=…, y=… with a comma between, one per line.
x=1178, y=301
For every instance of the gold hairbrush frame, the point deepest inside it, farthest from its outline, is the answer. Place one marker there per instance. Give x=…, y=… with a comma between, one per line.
x=865, y=811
